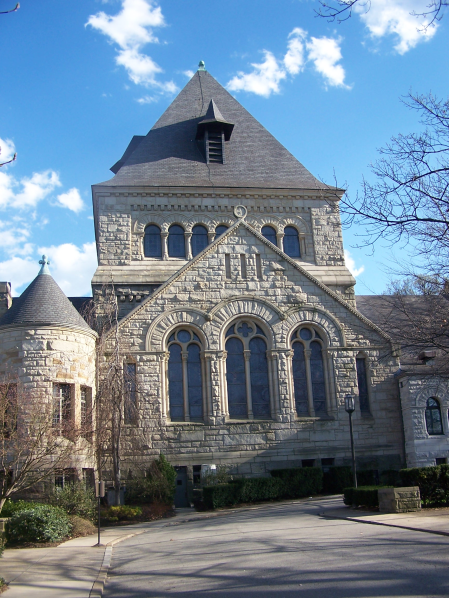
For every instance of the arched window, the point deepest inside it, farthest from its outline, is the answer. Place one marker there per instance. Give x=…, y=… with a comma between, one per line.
x=221, y=228
x=308, y=370
x=176, y=241
x=152, y=246
x=185, y=380
x=199, y=239
x=270, y=234
x=434, y=424
x=247, y=372
x=291, y=242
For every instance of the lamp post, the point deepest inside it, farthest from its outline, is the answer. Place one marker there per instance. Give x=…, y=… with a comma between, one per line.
x=350, y=408
x=99, y=493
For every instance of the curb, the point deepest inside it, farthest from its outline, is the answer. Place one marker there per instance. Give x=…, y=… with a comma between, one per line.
x=98, y=585
x=413, y=529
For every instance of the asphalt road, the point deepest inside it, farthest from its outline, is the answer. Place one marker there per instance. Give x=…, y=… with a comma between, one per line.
x=280, y=551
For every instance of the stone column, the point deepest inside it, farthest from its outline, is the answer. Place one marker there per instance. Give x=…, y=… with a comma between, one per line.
x=185, y=387
x=221, y=356
x=187, y=237
x=307, y=354
x=280, y=238
x=249, y=400
x=165, y=403
x=164, y=236
x=210, y=237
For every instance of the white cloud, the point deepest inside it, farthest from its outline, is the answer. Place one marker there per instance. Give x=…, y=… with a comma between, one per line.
x=27, y=192
x=350, y=263
x=18, y=271
x=7, y=150
x=294, y=60
x=395, y=17
x=323, y=54
x=188, y=73
x=131, y=29
x=263, y=81
x=72, y=267
x=71, y=200
x=147, y=99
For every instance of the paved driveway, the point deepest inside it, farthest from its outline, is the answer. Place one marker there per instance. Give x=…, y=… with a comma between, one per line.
x=280, y=551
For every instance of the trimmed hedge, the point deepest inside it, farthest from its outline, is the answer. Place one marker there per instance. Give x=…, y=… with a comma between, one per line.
x=42, y=523
x=363, y=495
x=336, y=479
x=433, y=483
x=284, y=483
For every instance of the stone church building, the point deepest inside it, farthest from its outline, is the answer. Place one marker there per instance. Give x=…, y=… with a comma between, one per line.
x=234, y=300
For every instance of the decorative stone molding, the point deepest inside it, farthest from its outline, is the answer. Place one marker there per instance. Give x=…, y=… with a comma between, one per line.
x=319, y=317
x=162, y=326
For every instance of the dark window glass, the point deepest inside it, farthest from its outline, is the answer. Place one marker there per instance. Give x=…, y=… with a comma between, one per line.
x=300, y=379
x=270, y=234
x=62, y=411
x=176, y=241
x=362, y=382
x=130, y=412
x=236, y=379
x=222, y=228
x=152, y=246
x=317, y=374
x=305, y=334
x=195, y=383
x=184, y=336
x=433, y=417
x=175, y=387
x=199, y=239
x=291, y=242
x=260, y=391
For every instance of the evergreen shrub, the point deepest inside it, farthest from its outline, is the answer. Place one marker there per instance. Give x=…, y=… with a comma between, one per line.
x=300, y=481
x=336, y=479
x=365, y=496
x=75, y=499
x=123, y=512
x=158, y=484
x=14, y=506
x=433, y=484
x=42, y=523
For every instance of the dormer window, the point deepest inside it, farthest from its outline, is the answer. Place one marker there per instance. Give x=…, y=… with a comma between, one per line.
x=212, y=132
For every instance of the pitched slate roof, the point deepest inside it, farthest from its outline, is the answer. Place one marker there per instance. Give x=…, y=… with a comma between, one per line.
x=42, y=303
x=169, y=154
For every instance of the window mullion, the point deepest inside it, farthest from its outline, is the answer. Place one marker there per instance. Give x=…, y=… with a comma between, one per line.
x=164, y=237
x=249, y=400
x=188, y=242
x=185, y=385
x=307, y=355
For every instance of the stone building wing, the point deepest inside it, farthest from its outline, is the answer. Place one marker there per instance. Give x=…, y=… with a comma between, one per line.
x=43, y=303
x=171, y=155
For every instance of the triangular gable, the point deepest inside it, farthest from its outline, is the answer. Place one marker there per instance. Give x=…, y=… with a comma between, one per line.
x=222, y=239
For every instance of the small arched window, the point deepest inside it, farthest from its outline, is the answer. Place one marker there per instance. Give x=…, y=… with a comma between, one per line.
x=247, y=373
x=270, y=234
x=152, y=246
x=434, y=424
x=176, y=241
x=308, y=372
x=185, y=381
x=199, y=239
x=291, y=242
x=221, y=228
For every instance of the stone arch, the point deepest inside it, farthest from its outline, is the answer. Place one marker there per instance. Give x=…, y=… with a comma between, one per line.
x=269, y=220
x=162, y=326
x=434, y=389
x=297, y=222
x=314, y=316
x=257, y=308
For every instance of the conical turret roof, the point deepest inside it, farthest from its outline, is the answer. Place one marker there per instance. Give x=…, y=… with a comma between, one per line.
x=169, y=155
x=43, y=303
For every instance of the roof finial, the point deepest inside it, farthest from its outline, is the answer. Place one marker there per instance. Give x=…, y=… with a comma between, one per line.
x=44, y=265
x=201, y=65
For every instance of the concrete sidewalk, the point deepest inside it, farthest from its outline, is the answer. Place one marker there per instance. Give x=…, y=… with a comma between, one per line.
x=434, y=521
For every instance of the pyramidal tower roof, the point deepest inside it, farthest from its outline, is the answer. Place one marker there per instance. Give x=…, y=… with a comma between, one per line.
x=43, y=303
x=169, y=155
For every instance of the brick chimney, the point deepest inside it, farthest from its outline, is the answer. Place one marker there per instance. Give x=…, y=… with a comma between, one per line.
x=5, y=297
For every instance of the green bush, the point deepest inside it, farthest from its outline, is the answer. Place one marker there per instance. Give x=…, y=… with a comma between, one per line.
x=157, y=485
x=10, y=507
x=433, y=484
x=42, y=523
x=365, y=496
x=123, y=512
x=368, y=477
x=336, y=479
x=75, y=499
x=284, y=483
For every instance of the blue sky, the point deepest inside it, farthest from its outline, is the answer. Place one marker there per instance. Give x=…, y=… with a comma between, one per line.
x=80, y=78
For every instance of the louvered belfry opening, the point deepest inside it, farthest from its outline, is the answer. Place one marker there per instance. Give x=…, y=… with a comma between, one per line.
x=212, y=132
x=214, y=141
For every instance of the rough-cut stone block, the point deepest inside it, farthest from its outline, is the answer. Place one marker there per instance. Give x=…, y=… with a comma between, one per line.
x=399, y=500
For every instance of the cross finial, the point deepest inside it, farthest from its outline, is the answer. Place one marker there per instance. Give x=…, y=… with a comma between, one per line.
x=44, y=265
x=201, y=65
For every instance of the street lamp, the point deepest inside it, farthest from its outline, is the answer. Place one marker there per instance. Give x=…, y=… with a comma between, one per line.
x=350, y=408
x=99, y=493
